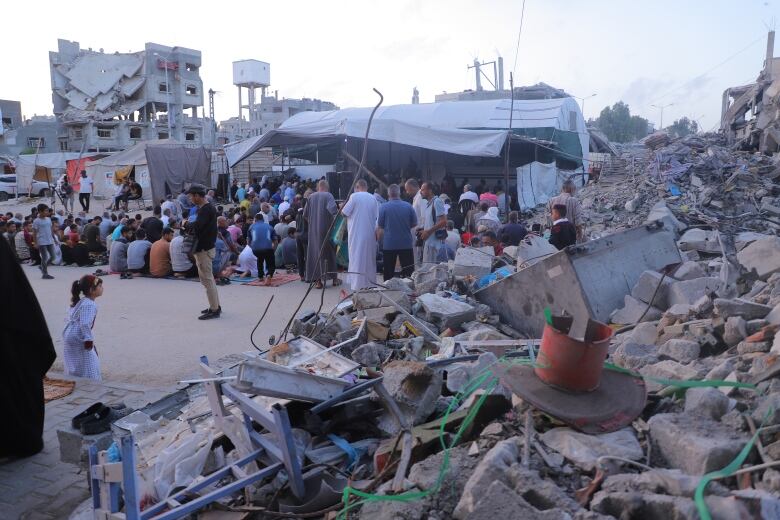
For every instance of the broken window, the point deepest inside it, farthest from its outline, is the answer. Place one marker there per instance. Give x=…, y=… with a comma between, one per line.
x=77, y=133
x=162, y=135
x=105, y=132
x=277, y=110
x=7, y=121
x=189, y=136
x=192, y=90
x=36, y=142
x=191, y=67
x=135, y=133
x=163, y=87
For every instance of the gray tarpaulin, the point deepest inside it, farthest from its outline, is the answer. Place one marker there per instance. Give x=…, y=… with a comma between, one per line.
x=176, y=167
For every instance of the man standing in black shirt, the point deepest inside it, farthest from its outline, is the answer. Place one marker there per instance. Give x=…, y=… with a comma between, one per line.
x=205, y=230
x=563, y=233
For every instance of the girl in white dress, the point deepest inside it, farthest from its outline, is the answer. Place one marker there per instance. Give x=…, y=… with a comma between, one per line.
x=81, y=358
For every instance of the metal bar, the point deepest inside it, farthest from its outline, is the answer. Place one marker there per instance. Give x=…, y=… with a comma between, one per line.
x=270, y=379
x=249, y=407
x=287, y=442
x=331, y=349
x=95, y=483
x=217, y=475
x=132, y=502
x=270, y=448
x=218, y=493
x=347, y=394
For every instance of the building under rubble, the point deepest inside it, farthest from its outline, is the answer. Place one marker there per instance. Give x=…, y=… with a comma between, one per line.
x=750, y=117
x=110, y=101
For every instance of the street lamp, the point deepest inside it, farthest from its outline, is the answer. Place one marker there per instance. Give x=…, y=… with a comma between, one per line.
x=582, y=99
x=661, y=108
x=167, y=93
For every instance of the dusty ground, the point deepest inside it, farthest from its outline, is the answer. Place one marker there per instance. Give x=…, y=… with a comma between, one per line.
x=146, y=330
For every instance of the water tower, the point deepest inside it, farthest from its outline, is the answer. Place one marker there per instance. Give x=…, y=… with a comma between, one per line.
x=251, y=75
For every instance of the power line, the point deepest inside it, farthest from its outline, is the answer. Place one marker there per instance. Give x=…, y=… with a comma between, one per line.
x=519, y=32
x=707, y=71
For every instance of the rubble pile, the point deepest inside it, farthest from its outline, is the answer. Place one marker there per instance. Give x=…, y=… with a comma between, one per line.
x=699, y=178
x=418, y=399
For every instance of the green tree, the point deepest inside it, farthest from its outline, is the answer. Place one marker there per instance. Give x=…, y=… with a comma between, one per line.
x=619, y=125
x=683, y=127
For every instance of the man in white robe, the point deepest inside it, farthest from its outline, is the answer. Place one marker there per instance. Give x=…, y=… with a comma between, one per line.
x=361, y=211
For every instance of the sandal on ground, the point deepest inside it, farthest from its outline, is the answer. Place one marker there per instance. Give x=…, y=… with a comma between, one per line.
x=337, y=282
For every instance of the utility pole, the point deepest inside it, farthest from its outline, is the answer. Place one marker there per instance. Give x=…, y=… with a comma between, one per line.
x=582, y=101
x=661, y=108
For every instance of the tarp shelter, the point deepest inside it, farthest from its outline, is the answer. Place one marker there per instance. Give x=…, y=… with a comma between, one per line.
x=537, y=183
x=44, y=167
x=466, y=128
x=155, y=164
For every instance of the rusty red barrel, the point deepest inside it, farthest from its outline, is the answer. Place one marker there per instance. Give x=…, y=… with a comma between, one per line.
x=571, y=364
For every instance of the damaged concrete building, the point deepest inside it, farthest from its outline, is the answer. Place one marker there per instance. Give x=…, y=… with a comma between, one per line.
x=109, y=101
x=750, y=116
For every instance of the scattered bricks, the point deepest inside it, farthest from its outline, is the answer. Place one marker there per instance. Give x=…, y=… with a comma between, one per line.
x=74, y=447
x=446, y=312
x=429, y=276
x=693, y=443
x=689, y=291
x=747, y=347
x=707, y=402
x=679, y=311
x=774, y=316
x=735, y=330
x=742, y=308
x=681, y=350
x=649, y=282
x=632, y=310
x=372, y=299
x=644, y=334
x=768, y=410
x=699, y=240
x=667, y=369
x=474, y=261
x=762, y=255
x=634, y=356
x=689, y=270
x=753, y=326
x=415, y=388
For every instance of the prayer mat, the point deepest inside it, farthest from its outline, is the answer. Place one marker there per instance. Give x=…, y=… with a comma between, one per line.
x=56, y=388
x=277, y=280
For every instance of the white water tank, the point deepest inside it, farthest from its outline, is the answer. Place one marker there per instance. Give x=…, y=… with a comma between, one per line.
x=251, y=73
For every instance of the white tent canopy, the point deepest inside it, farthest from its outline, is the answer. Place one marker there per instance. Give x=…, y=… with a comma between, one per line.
x=471, y=128
x=26, y=164
x=102, y=171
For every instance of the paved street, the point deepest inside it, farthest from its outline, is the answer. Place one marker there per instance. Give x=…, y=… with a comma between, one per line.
x=43, y=488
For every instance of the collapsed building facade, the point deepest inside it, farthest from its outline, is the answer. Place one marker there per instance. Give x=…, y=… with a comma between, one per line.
x=107, y=102
x=750, y=115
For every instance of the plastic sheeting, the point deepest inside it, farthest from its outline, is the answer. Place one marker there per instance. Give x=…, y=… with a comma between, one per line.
x=176, y=167
x=537, y=183
x=470, y=128
x=26, y=165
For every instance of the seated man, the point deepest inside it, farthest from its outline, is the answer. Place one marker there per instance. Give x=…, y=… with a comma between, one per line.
x=563, y=233
x=117, y=258
x=75, y=253
x=121, y=194
x=92, y=236
x=138, y=253
x=160, y=255
x=289, y=249
x=182, y=264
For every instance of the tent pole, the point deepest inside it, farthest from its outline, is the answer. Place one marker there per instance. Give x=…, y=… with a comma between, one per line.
x=508, y=145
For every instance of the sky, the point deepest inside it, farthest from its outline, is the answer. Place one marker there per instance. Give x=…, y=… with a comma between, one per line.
x=643, y=53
